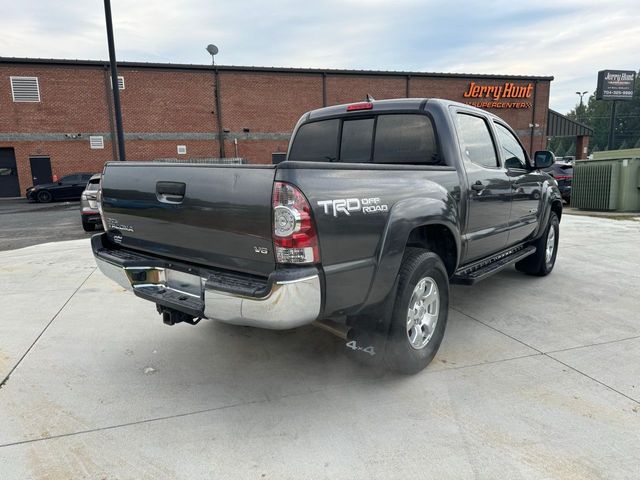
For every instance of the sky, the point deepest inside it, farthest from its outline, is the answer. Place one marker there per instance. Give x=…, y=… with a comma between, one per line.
x=570, y=40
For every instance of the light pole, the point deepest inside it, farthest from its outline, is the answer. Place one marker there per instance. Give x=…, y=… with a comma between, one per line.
x=581, y=94
x=213, y=51
x=114, y=80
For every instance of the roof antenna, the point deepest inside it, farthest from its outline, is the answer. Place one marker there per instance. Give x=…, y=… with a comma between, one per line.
x=370, y=98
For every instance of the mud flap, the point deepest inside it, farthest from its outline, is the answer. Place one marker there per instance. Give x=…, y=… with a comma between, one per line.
x=369, y=331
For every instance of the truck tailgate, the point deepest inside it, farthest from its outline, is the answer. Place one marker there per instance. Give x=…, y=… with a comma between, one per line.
x=215, y=215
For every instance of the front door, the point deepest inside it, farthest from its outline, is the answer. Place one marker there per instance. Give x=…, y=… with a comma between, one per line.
x=40, y=170
x=9, y=185
x=489, y=194
x=526, y=186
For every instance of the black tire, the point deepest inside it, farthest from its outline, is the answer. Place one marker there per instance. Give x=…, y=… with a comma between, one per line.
x=538, y=264
x=88, y=227
x=44, y=196
x=401, y=356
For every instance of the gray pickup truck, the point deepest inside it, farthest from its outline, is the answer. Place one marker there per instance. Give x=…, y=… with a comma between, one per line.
x=377, y=208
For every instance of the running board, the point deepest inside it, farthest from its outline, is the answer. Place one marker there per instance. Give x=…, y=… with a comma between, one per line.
x=477, y=271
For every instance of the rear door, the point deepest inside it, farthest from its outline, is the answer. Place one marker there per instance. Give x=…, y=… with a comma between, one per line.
x=81, y=184
x=489, y=187
x=214, y=215
x=66, y=186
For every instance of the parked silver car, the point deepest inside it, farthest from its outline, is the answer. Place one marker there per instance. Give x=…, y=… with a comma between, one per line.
x=89, y=205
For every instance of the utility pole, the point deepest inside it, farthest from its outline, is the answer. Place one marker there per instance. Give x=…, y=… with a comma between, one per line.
x=114, y=80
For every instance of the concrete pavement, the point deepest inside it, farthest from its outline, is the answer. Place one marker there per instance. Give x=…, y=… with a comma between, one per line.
x=23, y=223
x=537, y=378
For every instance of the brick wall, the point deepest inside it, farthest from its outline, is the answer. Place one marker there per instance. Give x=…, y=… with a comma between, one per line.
x=166, y=107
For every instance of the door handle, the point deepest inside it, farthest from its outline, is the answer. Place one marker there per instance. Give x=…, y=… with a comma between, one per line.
x=478, y=186
x=170, y=192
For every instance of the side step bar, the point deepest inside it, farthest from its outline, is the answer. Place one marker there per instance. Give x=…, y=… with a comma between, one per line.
x=470, y=274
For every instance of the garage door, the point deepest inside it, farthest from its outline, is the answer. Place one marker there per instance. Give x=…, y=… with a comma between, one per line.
x=9, y=185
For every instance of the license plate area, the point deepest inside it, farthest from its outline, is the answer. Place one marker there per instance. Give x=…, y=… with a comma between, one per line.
x=184, y=282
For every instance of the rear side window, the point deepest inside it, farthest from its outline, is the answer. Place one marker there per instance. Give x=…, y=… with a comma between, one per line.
x=357, y=138
x=405, y=139
x=316, y=142
x=387, y=138
x=93, y=185
x=69, y=179
x=476, y=140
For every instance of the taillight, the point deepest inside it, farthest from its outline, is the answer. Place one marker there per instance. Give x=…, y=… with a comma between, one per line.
x=563, y=177
x=294, y=234
x=360, y=106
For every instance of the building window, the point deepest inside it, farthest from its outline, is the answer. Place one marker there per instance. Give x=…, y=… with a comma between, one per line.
x=120, y=82
x=96, y=142
x=25, y=89
x=182, y=149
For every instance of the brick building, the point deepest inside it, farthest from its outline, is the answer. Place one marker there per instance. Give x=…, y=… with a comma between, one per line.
x=60, y=112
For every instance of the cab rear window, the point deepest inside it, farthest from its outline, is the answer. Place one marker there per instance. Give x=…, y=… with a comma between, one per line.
x=387, y=139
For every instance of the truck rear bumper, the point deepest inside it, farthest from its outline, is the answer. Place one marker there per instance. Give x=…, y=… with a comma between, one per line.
x=288, y=299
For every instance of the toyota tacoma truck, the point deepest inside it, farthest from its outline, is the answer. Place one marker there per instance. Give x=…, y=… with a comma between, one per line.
x=378, y=207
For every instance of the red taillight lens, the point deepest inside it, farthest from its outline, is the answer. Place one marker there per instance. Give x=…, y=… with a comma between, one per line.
x=294, y=234
x=563, y=177
x=360, y=106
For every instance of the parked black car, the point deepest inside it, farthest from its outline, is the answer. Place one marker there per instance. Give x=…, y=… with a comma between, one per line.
x=69, y=187
x=563, y=173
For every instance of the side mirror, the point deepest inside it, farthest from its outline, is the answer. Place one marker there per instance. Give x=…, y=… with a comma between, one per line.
x=543, y=159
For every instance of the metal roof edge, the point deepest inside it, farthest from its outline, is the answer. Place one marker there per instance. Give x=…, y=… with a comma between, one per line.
x=244, y=68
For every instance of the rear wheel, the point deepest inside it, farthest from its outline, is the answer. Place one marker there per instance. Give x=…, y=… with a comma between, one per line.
x=88, y=227
x=542, y=262
x=44, y=196
x=420, y=312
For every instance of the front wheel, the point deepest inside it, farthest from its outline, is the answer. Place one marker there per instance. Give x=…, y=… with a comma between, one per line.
x=542, y=262
x=44, y=196
x=420, y=312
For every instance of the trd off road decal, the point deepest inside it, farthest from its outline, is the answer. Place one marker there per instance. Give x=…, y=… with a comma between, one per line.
x=349, y=205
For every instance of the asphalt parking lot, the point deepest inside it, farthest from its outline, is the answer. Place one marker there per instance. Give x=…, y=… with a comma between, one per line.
x=537, y=378
x=23, y=224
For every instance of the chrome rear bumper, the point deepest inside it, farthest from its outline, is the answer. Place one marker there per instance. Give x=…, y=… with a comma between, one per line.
x=290, y=302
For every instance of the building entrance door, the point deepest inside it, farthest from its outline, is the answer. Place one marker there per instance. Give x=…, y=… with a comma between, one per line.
x=41, y=170
x=9, y=185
